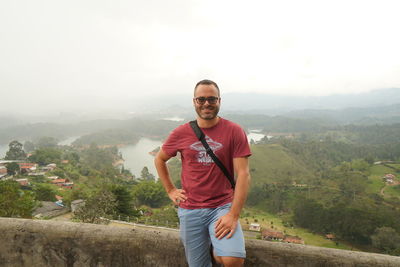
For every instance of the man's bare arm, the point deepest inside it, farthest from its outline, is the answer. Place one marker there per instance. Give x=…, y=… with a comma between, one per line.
x=226, y=225
x=160, y=161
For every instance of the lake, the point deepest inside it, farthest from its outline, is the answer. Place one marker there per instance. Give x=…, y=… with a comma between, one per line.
x=255, y=135
x=137, y=156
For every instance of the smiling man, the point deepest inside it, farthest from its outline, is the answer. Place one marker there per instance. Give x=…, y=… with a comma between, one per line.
x=209, y=207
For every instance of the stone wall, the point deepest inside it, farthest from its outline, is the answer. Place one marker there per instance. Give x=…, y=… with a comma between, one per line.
x=54, y=243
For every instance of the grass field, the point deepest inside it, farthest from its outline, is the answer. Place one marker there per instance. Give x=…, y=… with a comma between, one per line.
x=269, y=221
x=375, y=179
x=380, y=170
x=375, y=184
x=396, y=166
x=272, y=163
x=393, y=191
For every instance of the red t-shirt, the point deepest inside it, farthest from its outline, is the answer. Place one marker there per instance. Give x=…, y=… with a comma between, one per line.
x=205, y=184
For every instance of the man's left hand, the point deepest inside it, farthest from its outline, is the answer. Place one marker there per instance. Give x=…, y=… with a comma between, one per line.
x=225, y=226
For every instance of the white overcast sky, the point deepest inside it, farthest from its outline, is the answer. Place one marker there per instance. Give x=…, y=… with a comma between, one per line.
x=51, y=49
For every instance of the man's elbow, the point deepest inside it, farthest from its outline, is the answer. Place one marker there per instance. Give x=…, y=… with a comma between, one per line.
x=158, y=159
x=161, y=158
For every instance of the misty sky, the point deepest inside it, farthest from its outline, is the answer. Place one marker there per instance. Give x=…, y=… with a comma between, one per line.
x=61, y=51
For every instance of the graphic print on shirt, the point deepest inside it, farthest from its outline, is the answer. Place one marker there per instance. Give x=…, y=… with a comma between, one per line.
x=202, y=156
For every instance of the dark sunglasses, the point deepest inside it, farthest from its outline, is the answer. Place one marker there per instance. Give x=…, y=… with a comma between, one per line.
x=202, y=100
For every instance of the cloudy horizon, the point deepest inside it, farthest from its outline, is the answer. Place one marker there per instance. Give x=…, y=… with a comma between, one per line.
x=101, y=52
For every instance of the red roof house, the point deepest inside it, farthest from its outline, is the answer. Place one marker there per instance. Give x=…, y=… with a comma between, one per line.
x=268, y=234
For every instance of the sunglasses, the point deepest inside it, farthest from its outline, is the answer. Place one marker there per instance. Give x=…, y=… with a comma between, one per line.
x=202, y=100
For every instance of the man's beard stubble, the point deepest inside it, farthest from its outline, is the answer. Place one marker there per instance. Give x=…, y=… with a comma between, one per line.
x=214, y=112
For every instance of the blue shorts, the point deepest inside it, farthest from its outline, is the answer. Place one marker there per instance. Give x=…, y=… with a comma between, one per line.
x=197, y=233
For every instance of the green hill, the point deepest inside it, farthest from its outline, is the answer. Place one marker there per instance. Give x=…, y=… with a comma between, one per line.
x=272, y=163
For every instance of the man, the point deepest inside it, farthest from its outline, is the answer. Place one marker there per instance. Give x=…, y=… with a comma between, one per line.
x=209, y=208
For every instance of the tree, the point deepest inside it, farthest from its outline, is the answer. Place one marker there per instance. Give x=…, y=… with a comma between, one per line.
x=360, y=165
x=124, y=201
x=45, y=156
x=15, y=151
x=166, y=214
x=101, y=204
x=38, y=179
x=12, y=168
x=386, y=239
x=79, y=191
x=98, y=159
x=15, y=202
x=146, y=175
x=73, y=157
x=45, y=192
x=310, y=214
x=353, y=183
x=150, y=193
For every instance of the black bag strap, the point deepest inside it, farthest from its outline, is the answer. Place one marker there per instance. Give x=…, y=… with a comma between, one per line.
x=200, y=135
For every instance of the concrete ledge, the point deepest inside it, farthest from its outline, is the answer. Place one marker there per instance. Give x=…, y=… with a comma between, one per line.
x=55, y=243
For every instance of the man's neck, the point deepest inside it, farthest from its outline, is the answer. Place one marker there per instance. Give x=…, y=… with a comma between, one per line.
x=207, y=123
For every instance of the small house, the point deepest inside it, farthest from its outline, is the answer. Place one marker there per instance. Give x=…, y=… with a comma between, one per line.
x=268, y=234
x=27, y=166
x=49, y=167
x=59, y=182
x=389, y=178
x=255, y=227
x=330, y=236
x=67, y=185
x=293, y=240
x=23, y=182
x=3, y=170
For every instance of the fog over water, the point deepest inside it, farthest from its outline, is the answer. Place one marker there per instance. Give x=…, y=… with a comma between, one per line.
x=137, y=156
x=3, y=151
x=255, y=136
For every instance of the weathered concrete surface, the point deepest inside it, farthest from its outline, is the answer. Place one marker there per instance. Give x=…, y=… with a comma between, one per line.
x=54, y=243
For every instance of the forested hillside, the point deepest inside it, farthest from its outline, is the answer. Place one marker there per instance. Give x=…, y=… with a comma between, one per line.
x=307, y=175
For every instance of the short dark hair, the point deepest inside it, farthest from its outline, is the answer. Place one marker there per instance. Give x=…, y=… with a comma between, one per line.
x=206, y=82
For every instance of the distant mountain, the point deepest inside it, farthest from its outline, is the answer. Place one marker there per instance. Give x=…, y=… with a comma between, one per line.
x=268, y=104
x=257, y=103
x=367, y=115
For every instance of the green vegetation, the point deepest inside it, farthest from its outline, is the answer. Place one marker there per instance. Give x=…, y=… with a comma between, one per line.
x=150, y=193
x=320, y=180
x=387, y=240
x=107, y=191
x=44, y=156
x=12, y=168
x=273, y=164
x=45, y=192
x=146, y=175
x=108, y=137
x=100, y=205
x=15, y=202
x=280, y=223
x=15, y=151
